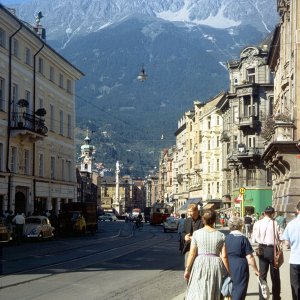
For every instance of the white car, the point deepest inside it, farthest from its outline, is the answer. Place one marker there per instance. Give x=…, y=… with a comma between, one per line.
x=171, y=224
x=108, y=217
x=38, y=227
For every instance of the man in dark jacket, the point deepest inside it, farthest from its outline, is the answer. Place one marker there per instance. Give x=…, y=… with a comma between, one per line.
x=191, y=224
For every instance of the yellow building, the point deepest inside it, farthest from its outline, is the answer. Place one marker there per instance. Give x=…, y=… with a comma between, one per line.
x=210, y=154
x=180, y=192
x=37, y=119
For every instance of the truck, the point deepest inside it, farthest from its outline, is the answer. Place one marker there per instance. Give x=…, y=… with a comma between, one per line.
x=78, y=217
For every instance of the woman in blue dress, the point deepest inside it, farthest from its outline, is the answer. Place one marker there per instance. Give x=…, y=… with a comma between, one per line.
x=240, y=255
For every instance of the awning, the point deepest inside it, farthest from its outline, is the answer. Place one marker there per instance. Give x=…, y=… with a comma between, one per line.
x=208, y=206
x=184, y=207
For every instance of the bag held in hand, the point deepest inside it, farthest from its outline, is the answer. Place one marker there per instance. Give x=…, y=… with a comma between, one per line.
x=186, y=247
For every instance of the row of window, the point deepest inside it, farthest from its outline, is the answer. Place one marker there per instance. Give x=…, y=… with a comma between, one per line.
x=21, y=164
x=28, y=60
x=28, y=97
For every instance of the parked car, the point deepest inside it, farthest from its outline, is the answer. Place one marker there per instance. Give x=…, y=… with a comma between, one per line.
x=6, y=235
x=108, y=217
x=38, y=227
x=171, y=224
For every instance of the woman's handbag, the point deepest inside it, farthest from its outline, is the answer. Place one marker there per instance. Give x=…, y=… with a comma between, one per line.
x=227, y=287
x=186, y=247
x=278, y=253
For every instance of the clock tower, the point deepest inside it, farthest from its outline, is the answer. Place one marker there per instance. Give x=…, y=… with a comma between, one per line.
x=86, y=157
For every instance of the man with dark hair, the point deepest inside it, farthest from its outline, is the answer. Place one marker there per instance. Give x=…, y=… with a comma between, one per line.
x=263, y=234
x=190, y=225
x=292, y=237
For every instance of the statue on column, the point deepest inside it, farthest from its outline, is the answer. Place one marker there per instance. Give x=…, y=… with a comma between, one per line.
x=117, y=197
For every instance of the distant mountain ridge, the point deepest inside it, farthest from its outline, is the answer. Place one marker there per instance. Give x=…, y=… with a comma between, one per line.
x=66, y=19
x=110, y=40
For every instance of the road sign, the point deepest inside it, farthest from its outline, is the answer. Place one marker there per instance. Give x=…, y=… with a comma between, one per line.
x=242, y=190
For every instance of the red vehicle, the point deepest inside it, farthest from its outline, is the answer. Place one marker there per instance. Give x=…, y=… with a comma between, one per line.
x=159, y=213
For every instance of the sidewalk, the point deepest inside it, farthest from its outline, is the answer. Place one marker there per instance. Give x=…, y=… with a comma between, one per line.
x=252, y=292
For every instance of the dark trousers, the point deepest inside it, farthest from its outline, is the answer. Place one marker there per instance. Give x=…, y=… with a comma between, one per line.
x=19, y=232
x=295, y=281
x=266, y=261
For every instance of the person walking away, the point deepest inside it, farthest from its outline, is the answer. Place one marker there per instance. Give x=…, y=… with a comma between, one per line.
x=240, y=256
x=180, y=230
x=207, y=258
x=9, y=220
x=263, y=234
x=19, y=220
x=281, y=221
x=248, y=223
x=292, y=237
x=190, y=225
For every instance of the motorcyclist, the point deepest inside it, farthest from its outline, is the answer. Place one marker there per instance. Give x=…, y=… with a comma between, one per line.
x=139, y=220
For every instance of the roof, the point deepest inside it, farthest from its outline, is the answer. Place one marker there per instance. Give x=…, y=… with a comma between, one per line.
x=213, y=102
x=23, y=24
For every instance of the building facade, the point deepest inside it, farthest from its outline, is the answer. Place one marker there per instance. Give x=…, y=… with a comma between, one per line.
x=245, y=111
x=282, y=142
x=37, y=113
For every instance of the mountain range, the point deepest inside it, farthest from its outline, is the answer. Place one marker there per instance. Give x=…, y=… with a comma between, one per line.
x=183, y=46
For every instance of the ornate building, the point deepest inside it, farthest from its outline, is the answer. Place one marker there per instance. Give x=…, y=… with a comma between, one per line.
x=282, y=140
x=245, y=111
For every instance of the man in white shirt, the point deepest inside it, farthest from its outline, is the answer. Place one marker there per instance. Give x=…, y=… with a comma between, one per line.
x=263, y=234
x=292, y=236
x=19, y=220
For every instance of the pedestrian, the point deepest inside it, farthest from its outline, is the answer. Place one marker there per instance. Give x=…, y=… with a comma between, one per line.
x=190, y=225
x=281, y=220
x=9, y=220
x=248, y=224
x=19, y=220
x=240, y=256
x=204, y=269
x=222, y=219
x=292, y=237
x=263, y=234
x=180, y=230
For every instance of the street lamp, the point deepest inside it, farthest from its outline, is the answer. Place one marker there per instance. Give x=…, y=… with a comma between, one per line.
x=142, y=75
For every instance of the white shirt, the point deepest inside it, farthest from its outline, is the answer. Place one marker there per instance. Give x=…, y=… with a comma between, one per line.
x=19, y=219
x=263, y=231
x=292, y=234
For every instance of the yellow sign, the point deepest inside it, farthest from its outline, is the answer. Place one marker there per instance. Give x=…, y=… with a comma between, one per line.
x=242, y=190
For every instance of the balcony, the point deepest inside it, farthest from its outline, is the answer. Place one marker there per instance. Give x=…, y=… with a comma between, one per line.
x=246, y=153
x=25, y=124
x=247, y=122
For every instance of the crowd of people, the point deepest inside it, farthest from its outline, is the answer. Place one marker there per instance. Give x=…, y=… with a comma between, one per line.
x=210, y=256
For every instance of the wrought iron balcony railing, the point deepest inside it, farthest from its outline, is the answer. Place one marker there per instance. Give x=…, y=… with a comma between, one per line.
x=30, y=122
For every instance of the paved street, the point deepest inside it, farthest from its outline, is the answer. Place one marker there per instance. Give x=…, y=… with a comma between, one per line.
x=116, y=263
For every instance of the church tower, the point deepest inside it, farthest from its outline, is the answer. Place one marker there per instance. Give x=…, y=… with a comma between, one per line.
x=87, y=152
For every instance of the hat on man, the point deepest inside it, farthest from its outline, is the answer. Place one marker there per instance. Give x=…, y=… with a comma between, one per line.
x=269, y=210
